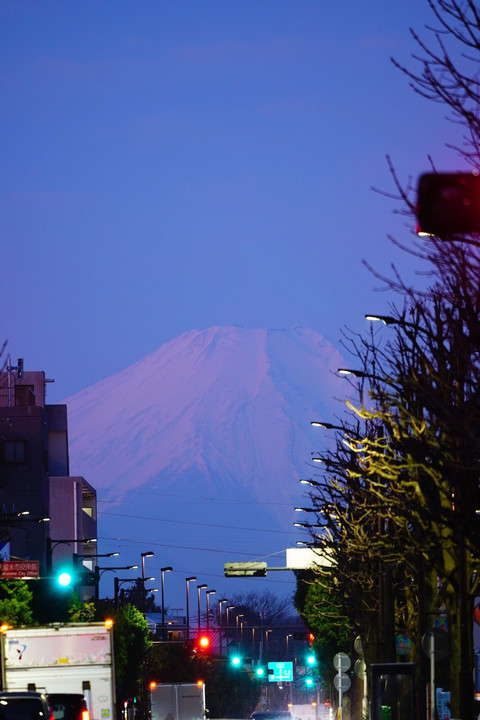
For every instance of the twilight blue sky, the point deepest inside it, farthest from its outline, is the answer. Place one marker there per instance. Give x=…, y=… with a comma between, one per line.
x=176, y=164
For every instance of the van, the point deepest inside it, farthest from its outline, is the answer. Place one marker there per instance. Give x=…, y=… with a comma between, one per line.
x=24, y=706
x=68, y=706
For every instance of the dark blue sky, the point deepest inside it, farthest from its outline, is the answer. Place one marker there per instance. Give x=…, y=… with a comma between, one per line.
x=175, y=164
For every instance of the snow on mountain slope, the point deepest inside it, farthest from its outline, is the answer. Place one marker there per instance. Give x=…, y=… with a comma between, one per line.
x=207, y=435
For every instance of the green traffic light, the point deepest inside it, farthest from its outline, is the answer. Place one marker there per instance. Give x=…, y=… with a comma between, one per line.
x=309, y=681
x=64, y=579
x=260, y=671
x=236, y=661
x=311, y=659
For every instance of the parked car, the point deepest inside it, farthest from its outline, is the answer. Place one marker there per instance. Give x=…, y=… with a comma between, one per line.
x=24, y=706
x=271, y=715
x=68, y=706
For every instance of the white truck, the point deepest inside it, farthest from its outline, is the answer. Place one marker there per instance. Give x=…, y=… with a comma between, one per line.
x=63, y=658
x=311, y=711
x=182, y=701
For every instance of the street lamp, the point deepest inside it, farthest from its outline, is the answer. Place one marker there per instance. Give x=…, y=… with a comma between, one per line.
x=287, y=637
x=237, y=618
x=144, y=555
x=100, y=570
x=227, y=611
x=14, y=519
x=385, y=319
x=199, y=587
x=326, y=425
x=188, y=580
x=227, y=624
x=52, y=544
x=76, y=563
x=163, y=571
x=242, y=624
x=93, y=556
x=117, y=582
x=208, y=593
x=267, y=632
x=313, y=483
x=355, y=373
x=220, y=603
x=389, y=320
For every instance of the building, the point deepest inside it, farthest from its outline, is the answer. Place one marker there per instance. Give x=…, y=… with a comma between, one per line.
x=35, y=479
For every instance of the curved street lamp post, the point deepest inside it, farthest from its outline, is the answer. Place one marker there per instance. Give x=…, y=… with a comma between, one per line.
x=200, y=587
x=163, y=571
x=220, y=603
x=188, y=580
x=208, y=593
x=144, y=555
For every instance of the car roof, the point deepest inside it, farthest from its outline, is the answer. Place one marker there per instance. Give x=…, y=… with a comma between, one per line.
x=21, y=693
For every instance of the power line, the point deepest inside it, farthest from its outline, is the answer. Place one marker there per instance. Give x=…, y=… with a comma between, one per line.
x=193, y=522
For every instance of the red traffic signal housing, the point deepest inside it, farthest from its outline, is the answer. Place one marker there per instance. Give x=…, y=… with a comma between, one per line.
x=448, y=204
x=203, y=642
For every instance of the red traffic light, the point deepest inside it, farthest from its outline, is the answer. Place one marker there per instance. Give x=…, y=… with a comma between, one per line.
x=204, y=642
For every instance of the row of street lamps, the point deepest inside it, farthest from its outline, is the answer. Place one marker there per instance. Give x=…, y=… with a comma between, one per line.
x=201, y=587
x=98, y=572
x=144, y=579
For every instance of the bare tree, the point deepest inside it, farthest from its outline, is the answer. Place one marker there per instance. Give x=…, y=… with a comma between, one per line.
x=448, y=71
x=402, y=486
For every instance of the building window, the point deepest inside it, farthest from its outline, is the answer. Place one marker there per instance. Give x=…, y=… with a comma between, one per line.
x=14, y=451
x=24, y=396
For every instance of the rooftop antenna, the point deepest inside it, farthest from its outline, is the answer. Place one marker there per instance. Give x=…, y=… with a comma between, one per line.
x=18, y=368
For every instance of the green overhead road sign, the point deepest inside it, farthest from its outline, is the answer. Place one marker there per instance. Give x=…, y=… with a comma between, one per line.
x=246, y=569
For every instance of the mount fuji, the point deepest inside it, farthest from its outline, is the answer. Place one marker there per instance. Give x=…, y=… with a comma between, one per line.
x=196, y=452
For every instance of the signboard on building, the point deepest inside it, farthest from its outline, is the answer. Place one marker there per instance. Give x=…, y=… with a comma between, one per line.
x=18, y=569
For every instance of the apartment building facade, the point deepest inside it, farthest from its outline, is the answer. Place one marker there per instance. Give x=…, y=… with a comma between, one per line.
x=35, y=478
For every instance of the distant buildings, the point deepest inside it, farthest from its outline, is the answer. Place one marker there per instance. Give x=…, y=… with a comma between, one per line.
x=34, y=478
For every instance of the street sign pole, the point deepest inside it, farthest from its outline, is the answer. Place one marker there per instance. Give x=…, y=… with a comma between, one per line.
x=341, y=663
